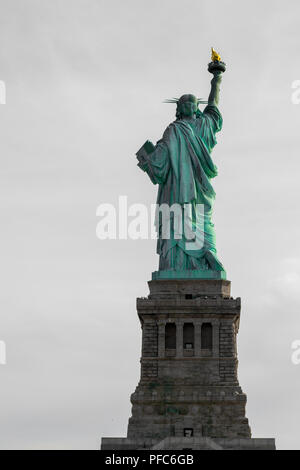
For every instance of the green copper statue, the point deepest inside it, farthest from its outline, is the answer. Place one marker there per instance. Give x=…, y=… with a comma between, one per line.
x=181, y=165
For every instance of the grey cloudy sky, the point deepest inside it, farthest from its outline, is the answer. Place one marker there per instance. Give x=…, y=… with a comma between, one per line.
x=85, y=83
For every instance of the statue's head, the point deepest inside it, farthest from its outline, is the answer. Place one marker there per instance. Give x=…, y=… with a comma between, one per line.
x=187, y=106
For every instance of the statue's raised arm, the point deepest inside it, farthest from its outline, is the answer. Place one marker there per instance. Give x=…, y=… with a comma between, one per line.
x=213, y=99
x=216, y=67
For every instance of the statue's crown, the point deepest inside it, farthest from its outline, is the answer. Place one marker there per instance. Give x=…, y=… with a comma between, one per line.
x=183, y=98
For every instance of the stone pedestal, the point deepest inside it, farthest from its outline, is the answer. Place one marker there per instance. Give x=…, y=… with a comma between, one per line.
x=188, y=395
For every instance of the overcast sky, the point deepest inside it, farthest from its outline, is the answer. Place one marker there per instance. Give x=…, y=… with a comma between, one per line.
x=85, y=83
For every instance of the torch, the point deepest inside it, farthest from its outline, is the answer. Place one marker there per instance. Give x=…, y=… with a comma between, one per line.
x=216, y=64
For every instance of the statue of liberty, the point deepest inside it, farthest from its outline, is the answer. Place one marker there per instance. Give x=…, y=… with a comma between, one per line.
x=182, y=166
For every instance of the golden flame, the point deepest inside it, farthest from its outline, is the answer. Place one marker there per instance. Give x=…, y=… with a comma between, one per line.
x=214, y=55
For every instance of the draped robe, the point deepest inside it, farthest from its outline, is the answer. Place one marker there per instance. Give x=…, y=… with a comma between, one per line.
x=182, y=167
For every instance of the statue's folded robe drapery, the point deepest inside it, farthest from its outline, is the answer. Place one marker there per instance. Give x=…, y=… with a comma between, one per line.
x=182, y=166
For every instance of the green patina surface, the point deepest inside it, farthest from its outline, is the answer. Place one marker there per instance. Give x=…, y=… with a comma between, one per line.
x=189, y=274
x=182, y=166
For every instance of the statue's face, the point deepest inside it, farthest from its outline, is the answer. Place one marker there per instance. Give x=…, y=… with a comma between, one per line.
x=188, y=105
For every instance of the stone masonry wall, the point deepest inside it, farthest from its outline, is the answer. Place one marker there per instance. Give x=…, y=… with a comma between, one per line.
x=228, y=360
x=149, y=349
x=150, y=339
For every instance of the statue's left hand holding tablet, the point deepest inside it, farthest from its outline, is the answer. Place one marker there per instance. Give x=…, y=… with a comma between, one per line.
x=144, y=151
